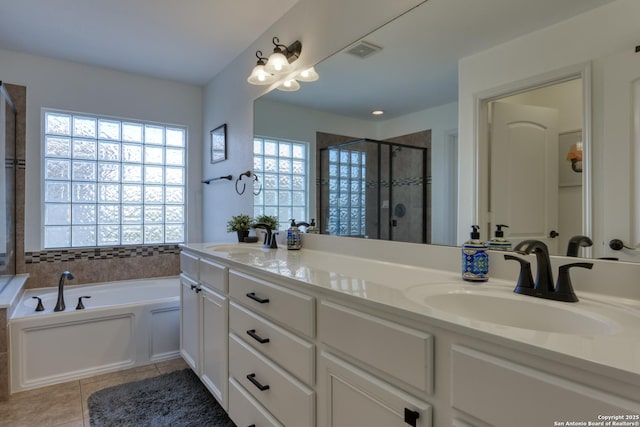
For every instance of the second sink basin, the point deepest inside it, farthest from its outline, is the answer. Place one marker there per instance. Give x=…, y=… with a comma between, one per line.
x=502, y=307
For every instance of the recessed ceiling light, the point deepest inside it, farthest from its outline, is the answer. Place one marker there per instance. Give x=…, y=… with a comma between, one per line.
x=377, y=112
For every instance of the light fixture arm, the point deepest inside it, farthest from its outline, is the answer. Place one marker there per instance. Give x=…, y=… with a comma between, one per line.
x=291, y=52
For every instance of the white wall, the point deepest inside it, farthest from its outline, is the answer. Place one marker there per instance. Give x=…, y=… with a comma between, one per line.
x=70, y=86
x=588, y=37
x=323, y=27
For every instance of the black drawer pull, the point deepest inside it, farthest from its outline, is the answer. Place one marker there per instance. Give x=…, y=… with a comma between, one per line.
x=254, y=381
x=252, y=425
x=252, y=334
x=253, y=296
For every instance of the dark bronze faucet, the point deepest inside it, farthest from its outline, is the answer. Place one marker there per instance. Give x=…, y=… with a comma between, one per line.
x=577, y=242
x=543, y=286
x=60, y=304
x=269, y=237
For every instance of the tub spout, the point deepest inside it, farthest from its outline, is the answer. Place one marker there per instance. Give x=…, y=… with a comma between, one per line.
x=60, y=304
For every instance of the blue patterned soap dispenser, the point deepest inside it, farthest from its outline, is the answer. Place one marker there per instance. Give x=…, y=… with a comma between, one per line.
x=475, y=260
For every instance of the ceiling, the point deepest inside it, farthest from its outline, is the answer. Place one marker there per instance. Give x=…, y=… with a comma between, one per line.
x=188, y=41
x=417, y=67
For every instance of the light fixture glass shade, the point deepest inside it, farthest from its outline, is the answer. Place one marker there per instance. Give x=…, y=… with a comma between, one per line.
x=277, y=64
x=289, y=85
x=308, y=75
x=259, y=76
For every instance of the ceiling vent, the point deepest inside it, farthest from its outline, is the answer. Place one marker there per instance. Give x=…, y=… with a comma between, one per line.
x=363, y=49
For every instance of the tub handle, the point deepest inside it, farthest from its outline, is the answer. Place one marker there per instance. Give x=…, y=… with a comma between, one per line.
x=80, y=305
x=40, y=307
x=252, y=295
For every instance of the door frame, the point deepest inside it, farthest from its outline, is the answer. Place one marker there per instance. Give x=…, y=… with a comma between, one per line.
x=481, y=133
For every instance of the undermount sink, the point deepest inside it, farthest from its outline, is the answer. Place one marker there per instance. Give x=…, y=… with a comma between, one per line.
x=502, y=307
x=237, y=248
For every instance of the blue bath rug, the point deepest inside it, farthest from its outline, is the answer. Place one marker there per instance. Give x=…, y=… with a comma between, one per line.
x=176, y=399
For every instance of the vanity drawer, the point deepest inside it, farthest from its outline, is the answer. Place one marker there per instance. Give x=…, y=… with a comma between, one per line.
x=189, y=265
x=294, y=354
x=244, y=410
x=404, y=353
x=290, y=401
x=214, y=274
x=292, y=309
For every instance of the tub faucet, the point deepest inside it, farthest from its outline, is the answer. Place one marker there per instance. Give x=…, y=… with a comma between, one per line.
x=60, y=304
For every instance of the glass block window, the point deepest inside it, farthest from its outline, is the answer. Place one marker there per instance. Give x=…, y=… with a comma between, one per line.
x=281, y=167
x=112, y=182
x=347, y=192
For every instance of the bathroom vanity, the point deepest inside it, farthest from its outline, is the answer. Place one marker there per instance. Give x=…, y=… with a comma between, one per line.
x=320, y=337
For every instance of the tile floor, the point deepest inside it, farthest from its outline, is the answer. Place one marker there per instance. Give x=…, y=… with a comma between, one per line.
x=65, y=405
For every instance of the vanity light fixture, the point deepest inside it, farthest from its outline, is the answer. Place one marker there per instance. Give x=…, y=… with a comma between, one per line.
x=280, y=60
x=259, y=76
x=308, y=75
x=278, y=67
x=289, y=85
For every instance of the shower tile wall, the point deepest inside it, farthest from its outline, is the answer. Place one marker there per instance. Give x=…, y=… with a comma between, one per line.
x=414, y=207
x=420, y=139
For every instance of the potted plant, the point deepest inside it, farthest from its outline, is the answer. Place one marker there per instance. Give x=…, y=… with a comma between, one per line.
x=270, y=220
x=241, y=225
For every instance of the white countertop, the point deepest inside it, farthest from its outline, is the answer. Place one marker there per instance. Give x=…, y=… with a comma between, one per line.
x=615, y=347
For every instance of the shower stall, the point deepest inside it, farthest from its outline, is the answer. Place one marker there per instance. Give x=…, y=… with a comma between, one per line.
x=375, y=189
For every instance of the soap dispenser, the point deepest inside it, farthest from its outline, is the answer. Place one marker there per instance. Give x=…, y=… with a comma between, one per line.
x=499, y=243
x=475, y=260
x=293, y=237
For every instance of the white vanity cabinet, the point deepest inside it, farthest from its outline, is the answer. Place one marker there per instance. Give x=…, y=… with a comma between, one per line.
x=204, y=322
x=353, y=393
x=189, y=322
x=500, y=392
x=271, y=352
x=189, y=310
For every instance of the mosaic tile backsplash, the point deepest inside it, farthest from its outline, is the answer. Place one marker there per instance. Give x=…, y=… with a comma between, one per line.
x=105, y=264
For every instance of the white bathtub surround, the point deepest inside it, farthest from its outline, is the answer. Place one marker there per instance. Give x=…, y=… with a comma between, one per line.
x=124, y=324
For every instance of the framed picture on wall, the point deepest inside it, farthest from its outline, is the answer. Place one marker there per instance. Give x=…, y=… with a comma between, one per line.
x=219, y=144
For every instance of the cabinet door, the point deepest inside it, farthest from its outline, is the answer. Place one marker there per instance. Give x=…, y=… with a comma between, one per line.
x=214, y=373
x=503, y=393
x=189, y=323
x=351, y=397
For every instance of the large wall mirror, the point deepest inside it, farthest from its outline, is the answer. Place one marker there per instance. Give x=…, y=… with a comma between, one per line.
x=413, y=69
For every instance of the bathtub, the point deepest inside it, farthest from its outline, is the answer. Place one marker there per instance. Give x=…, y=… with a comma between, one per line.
x=124, y=324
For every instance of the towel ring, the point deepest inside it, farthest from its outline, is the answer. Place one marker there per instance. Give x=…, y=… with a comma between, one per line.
x=256, y=179
x=244, y=185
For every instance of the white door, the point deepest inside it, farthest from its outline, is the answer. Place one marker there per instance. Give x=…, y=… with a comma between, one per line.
x=621, y=153
x=524, y=172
